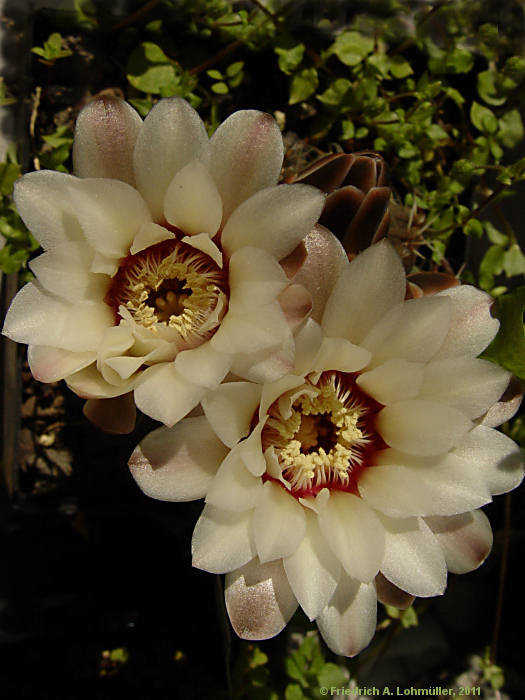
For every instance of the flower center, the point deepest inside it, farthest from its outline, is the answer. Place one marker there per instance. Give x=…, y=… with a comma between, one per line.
x=171, y=289
x=326, y=437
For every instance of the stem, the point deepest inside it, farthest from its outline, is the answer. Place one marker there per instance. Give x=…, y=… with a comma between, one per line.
x=217, y=58
x=135, y=15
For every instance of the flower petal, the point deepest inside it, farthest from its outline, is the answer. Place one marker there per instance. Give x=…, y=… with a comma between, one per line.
x=116, y=415
x=172, y=135
x=37, y=318
x=51, y=364
x=259, y=600
x=504, y=409
x=179, y=463
x=325, y=260
x=340, y=354
x=44, y=203
x=412, y=331
x=264, y=366
x=246, y=156
x=164, y=394
x=275, y=219
x=372, y=285
x=252, y=332
x=149, y=234
x=498, y=459
x=296, y=303
x=312, y=570
x=278, y=523
x=110, y=212
x=234, y=487
x=105, y=136
x=348, y=622
x=395, y=380
x=230, y=409
x=255, y=279
x=192, y=202
x=90, y=384
x=203, y=365
x=466, y=383
x=409, y=485
x=222, y=540
x=422, y=427
x=389, y=594
x=65, y=271
x=354, y=534
x=466, y=540
x=471, y=325
x=413, y=559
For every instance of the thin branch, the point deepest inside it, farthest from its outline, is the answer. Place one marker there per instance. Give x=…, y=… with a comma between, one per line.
x=217, y=58
x=502, y=578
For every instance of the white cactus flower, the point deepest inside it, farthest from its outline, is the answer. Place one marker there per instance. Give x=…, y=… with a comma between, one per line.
x=358, y=476
x=161, y=267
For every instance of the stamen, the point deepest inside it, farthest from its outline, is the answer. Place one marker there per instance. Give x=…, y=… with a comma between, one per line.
x=171, y=285
x=326, y=437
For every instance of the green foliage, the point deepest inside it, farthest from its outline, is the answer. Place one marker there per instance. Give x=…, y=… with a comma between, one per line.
x=52, y=49
x=508, y=347
x=408, y=617
x=492, y=673
x=5, y=96
x=309, y=671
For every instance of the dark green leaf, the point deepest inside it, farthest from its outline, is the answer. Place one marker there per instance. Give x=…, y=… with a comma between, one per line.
x=304, y=84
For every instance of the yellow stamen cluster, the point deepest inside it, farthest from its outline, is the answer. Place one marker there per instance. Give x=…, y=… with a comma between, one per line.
x=316, y=443
x=179, y=291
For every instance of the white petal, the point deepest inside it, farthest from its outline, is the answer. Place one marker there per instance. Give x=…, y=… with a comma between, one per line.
x=90, y=384
x=202, y=242
x=307, y=344
x=468, y=384
x=413, y=331
x=44, y=203
x=259, y=600
x=230, y=410
x=149, y=234
x=117, y=415
x=499, y=459
x=435, y=486
x=278, y=523
x=37, y=318
x=105, y=134
x=340, y=354
x=354, y=533
x=422, y=427
x=234, y=487
x=165, y=395
x=325, y=261
x=296, y=303
x=177, y=464
x=372, y=285
x=348, y=622
x=506, y=408
x=466, y=540
x=193, y=203
x=265, y=366
x=413, y=559
x=471, y=325
x=255, y=279
x=395, y=380
x=252, y=332
x=65, y=271
x=389, y=594
x=275, y=219
x=203, y=365
x=51, y=364
x=222, y=540
x=312, y=570
x=246, y=156
x=250, y=451
x=110, y=212
x=172, y=136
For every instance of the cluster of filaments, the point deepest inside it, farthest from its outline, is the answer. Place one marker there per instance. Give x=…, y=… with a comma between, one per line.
x=323, y=436
x=172, y=285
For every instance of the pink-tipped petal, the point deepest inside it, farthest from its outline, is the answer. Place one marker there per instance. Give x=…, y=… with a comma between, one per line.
x=51, y=364
x=296, y=303
x=246, y=156
x=105, y=136
x=388, y=594
x=259, y=600
x=466, y=540
x=172, y=135
x=177, y=464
